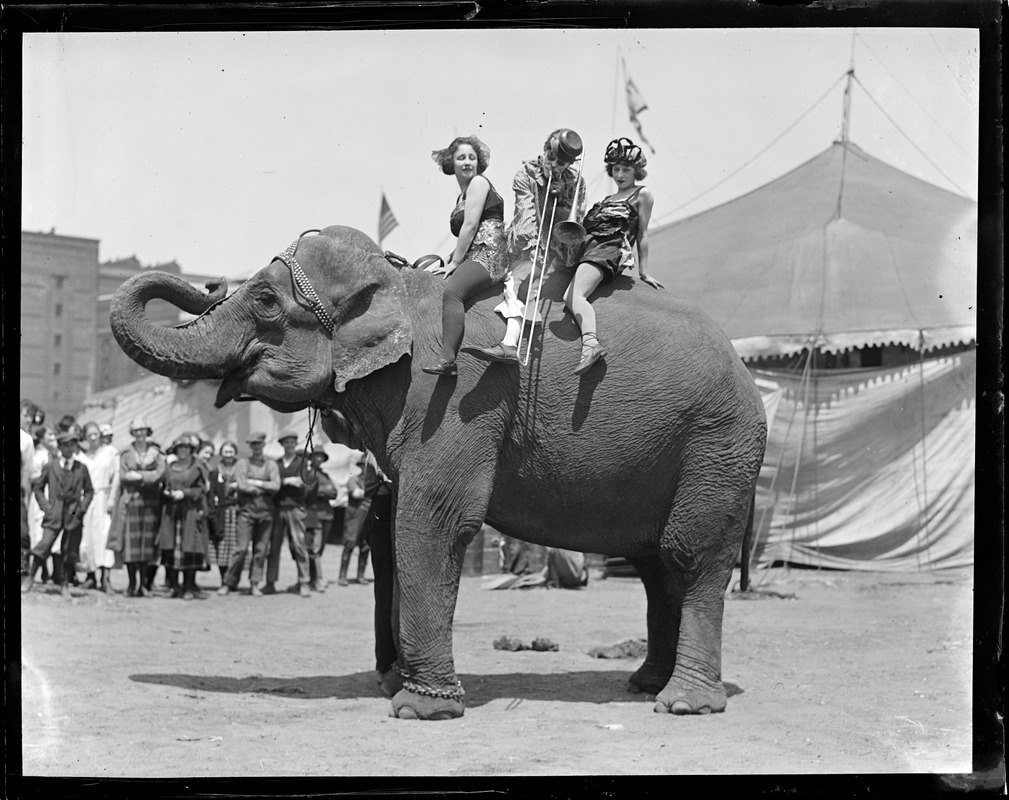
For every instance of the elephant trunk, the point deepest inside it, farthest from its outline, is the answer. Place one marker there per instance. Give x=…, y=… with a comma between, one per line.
x=202, y=349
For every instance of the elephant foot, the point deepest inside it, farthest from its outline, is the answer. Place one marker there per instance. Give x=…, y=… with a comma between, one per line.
x=677, y=698
x=408, y=704
x=648, y=679
x=389, y=682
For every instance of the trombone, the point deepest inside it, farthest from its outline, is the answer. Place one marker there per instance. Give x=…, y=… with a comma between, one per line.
x=544, y=249
x=568, y=232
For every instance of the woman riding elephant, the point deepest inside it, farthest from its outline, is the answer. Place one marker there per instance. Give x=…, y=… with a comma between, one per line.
x=673, y=420
x=478, y=260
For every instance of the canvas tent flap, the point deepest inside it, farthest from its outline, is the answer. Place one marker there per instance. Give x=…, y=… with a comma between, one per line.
x=871, y=469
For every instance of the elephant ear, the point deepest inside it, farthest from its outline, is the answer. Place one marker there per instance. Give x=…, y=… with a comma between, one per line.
x=369, y=300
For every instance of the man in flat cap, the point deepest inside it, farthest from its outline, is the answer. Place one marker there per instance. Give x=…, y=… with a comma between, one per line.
x=258, y=481
x=289, y=514
x=70, y=494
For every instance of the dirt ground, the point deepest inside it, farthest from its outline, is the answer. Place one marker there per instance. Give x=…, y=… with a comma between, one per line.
x=828, y=672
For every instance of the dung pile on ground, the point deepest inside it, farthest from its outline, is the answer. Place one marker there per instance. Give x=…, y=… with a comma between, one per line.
x=540, y=644
x=629, y=648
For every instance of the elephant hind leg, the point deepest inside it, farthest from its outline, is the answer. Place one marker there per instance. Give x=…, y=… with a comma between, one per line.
x=663, y=618
x=699, y=547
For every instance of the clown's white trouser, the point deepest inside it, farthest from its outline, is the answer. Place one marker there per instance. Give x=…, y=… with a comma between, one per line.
x=511, y=307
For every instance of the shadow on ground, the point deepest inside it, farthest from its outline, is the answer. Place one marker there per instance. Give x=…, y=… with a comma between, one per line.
x=589, y=686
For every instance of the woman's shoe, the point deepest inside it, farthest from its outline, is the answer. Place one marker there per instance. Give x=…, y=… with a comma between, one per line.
x=447, y=368
x=499, y=352
x=590, y=357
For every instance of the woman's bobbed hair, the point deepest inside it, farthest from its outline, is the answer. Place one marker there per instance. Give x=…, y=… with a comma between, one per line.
x=443, y=158
x=640, y=173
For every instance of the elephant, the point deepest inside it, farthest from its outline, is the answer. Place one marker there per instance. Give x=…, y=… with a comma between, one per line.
x=652, y=454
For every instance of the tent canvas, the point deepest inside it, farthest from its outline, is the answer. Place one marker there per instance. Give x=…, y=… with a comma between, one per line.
x=871, y=469
x=844, y=248
x=865, y=469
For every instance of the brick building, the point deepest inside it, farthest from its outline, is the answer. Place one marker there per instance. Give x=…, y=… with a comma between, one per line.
x=59, y=284
x=67, y=347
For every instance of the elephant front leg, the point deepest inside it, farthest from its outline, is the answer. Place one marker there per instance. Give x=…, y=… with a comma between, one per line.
x=428, y=566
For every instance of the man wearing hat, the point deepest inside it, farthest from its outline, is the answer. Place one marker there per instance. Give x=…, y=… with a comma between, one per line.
x=70, y=494
x=289, y=514
x=318, y=516
x=258, y=480
x=535, y=209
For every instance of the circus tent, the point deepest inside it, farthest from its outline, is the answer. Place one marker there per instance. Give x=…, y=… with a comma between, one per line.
x=848, y=263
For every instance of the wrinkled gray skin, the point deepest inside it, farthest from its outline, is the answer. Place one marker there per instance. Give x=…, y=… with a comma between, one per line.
x=651, y=455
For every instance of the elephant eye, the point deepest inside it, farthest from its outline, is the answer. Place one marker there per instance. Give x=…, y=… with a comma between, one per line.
x=269, y=302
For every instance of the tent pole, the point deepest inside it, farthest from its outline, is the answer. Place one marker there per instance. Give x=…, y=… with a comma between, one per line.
x=816, y=479
x=923, y=509
x=802, y=441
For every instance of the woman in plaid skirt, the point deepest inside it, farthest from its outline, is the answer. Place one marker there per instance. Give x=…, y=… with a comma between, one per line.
x=183, y=538
x=137, y=514
x=224, y=509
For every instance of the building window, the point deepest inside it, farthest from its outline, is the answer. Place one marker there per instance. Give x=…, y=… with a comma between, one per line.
x=59, y=281
x=58, y=340
x=58, y=310
x=56, y=368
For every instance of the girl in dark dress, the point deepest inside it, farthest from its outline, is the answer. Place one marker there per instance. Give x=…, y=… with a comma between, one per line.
x=478, y=261
x=616, y=230
x=183, y=537
x=224, y=508
x=136, y=519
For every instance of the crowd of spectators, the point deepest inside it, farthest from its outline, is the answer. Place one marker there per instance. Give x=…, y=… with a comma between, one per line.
x=188, y=508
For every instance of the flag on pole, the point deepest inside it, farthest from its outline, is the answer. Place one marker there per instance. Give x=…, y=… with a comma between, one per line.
x=386, y=220
x=635, y=105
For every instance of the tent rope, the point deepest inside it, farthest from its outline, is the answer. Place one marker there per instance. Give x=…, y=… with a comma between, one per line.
x=757, y=155
x=768, y=507
x=910, y=141
x=807, y=375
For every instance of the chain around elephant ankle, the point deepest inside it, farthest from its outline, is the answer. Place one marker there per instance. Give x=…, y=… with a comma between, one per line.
x=455, y=693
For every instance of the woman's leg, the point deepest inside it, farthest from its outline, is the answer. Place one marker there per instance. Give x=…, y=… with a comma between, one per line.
x=576, y=297
x=469, y=279
x=131, y=570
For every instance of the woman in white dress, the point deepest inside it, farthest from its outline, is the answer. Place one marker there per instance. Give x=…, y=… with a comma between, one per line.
x=102, y=460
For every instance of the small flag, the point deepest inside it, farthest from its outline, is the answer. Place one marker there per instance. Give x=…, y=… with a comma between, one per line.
x=635, y=105
x=386, y=220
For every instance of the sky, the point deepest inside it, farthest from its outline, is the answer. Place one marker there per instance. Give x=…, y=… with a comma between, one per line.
x=216, y=149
